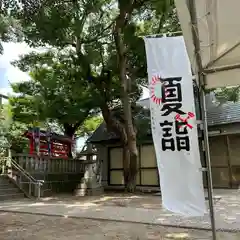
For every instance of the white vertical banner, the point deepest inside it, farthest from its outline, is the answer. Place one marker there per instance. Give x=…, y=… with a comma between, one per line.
x=174, y=127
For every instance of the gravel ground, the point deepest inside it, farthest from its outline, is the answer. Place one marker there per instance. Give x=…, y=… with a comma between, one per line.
x=32, y=227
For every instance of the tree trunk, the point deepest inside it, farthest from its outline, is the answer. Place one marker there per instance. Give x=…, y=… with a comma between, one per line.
x=131, y=144
x=133, y=152
x=126, y=166
x=130, y=152
x=69, y=131
x=126, y=131
x=126, y=102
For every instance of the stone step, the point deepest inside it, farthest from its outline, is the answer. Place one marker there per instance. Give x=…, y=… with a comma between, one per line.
x=7, y=185
x=9, y=190
x=4, y=180
x=11, y=196
x=3, y=176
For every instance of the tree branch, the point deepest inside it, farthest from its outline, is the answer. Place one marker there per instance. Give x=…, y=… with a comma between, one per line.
x=100, y=36
x=102, y=60
x=113, y=124
x=161, y=22
x=77, y=125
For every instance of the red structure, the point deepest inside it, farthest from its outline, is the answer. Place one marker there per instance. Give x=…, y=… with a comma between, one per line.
x=54, y=145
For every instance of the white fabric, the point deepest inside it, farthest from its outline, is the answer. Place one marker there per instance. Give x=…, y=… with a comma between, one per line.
x=219, y=31
x=180, y=171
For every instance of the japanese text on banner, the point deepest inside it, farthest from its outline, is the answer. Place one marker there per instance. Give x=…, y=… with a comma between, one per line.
x=168, y=94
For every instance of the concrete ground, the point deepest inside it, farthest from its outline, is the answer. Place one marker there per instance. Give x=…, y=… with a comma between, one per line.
x=114, y=216
x=145, y=209
x=35, y=227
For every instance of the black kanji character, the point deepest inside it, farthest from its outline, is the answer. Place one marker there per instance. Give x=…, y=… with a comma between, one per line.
x=168, y=144
x=167, y=128
x=183, y=143
x=181, y=128
x=171, y=91
x=172, y=107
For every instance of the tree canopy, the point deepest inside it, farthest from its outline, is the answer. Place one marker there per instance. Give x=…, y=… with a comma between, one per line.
x=11, y=132
x=94, y=59
x=5, y=122
x=89, y=126
x=227, y=94
x=54, y=93
x=10, y=28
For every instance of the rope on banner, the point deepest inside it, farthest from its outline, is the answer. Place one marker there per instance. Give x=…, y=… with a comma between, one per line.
x=166, y=34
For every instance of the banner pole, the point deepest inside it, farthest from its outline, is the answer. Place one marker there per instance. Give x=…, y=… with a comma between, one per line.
x=208, y=161
x=191, y=4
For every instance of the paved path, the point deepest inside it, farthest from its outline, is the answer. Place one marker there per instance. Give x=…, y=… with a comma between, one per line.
x=227, y=213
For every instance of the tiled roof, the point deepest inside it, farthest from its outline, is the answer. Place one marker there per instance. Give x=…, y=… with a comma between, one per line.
x=101, y=134
x=218, y=114
x=224, y=114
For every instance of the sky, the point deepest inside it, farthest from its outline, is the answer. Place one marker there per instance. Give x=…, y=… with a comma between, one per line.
x=10, y=74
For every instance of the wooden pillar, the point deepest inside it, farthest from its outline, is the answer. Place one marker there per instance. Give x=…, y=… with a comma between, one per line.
x=140, y=164
x=69, y=150
x=230, y=172
x=52, y=149
x=31, y=145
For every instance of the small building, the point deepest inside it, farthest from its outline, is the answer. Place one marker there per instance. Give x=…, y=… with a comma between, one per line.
x=50, y=143
x=224, y=138
x=48, y=168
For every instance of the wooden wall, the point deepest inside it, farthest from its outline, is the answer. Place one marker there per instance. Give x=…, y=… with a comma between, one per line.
x=225, y=159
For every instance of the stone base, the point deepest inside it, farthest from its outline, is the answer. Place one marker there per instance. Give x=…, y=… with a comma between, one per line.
x=80, y=192
x=89, y=191
x=95, y=191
